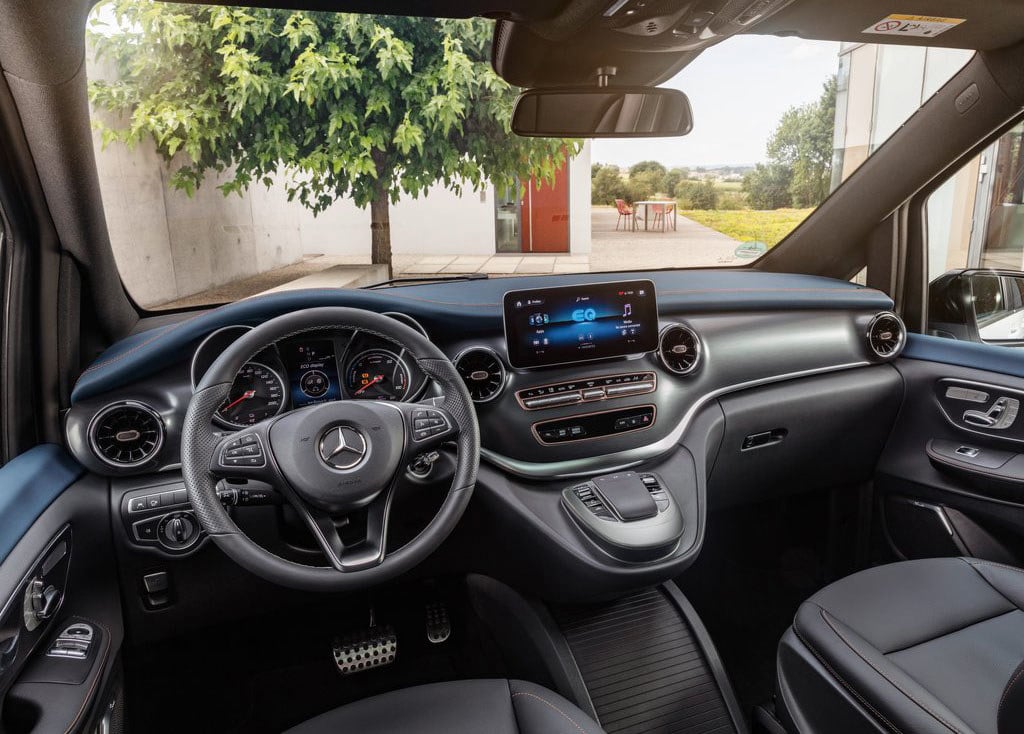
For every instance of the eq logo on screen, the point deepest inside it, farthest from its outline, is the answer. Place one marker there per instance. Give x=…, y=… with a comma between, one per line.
x=581, y=315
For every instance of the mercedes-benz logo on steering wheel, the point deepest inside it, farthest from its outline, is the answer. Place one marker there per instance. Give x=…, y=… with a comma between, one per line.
x=343, y=447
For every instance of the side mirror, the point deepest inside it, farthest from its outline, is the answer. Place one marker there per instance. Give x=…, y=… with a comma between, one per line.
x=623, y=112
x=978, y=305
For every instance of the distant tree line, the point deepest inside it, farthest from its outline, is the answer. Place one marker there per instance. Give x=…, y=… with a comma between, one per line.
x=650, y=179
x=799, y=168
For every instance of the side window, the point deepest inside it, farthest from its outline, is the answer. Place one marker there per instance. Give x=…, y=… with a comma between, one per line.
x=976, y=248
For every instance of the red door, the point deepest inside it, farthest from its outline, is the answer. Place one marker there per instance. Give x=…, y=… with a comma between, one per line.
x=546, y=214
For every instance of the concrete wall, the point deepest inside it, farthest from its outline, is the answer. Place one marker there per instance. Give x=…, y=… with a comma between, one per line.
x=579, y=202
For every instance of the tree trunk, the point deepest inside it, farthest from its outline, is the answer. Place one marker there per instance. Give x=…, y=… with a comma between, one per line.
x=380, y=230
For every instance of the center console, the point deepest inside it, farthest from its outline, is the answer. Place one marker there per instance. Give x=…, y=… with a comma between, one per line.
x=631, y=516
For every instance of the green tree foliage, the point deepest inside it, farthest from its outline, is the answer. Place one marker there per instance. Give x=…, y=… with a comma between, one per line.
x=345, y=105
x=674, y=178
x=607, y=185
x=803, y=141
x=646, y=184
x=697, y=194
x=645, y=166
x=802, y=144
x=768, y=186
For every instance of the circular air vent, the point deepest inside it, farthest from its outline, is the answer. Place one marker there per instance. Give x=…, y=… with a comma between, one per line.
x=126, y=434
x=679, y=349
x=886, y=335
x=483, y=372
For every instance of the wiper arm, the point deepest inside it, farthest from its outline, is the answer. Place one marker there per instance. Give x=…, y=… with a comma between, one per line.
x=426, y=279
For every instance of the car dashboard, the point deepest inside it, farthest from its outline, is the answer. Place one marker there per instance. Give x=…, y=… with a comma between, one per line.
x=731, y=386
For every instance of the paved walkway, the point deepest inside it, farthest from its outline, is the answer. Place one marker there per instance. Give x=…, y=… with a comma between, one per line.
x=691, y=245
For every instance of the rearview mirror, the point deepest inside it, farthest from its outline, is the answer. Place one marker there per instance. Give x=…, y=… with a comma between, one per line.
x=978, y=305
x=623, y=112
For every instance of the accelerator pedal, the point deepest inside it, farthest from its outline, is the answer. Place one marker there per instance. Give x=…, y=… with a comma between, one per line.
x=439, y=624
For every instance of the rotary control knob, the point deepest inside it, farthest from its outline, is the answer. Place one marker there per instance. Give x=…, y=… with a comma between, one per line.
x=178, y=531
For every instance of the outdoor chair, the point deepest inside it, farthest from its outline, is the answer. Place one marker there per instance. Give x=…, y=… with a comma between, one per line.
x=625, y=210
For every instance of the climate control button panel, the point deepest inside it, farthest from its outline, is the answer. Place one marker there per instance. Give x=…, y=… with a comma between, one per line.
x=595, y=425
x=587, y=390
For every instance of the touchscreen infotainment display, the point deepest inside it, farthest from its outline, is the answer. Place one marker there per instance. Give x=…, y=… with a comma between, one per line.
x=548, y=326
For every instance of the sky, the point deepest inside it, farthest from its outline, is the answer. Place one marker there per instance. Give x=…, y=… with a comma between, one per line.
x=738, y=91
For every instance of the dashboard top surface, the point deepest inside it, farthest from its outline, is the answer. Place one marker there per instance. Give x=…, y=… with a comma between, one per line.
x=477, y=306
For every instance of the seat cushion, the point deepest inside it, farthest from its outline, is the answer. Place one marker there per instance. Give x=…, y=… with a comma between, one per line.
x=459, y=707
x=921, y=646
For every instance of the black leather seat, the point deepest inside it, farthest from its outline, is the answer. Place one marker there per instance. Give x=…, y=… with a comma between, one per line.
x=922, y=646
x=459, y=707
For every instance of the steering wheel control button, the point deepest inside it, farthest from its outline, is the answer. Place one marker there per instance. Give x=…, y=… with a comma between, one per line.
x=243, y=451
x=343, y=448
x=427, y=423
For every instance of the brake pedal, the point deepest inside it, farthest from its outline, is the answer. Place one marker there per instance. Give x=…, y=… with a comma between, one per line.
x=373, y=647
x=439, y=625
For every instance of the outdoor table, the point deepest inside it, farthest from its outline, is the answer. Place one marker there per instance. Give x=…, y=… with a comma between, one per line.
x=669, y=204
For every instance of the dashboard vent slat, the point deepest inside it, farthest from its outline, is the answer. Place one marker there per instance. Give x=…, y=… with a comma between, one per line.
x=126, y=435
x=483, y=372
x=680, y=349
x=886, y=335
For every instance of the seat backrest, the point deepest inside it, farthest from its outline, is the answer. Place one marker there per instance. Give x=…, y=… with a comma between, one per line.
x=621, y=206
x=1011, y=705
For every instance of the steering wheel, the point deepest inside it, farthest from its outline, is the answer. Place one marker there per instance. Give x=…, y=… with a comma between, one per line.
x=330, y=461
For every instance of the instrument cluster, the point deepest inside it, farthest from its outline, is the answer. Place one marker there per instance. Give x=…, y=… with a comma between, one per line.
x=304, y=370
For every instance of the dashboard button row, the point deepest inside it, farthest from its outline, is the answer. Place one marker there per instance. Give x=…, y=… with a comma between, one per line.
x=156, y=501
x=585, y=391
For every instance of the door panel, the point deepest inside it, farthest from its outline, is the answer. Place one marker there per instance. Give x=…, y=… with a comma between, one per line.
x=952, y=473
x=60, y=620
x=545, y=214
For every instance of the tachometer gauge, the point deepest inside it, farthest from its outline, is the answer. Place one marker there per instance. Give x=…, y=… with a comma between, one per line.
x=256, y=394
x=377, y=374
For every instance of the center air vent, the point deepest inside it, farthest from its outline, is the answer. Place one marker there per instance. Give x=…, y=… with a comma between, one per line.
x=886, y=335
x=679, y=349
x=483, y=372
x=126, y=434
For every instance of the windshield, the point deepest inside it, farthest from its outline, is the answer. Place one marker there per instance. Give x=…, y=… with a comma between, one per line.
x=246, y=150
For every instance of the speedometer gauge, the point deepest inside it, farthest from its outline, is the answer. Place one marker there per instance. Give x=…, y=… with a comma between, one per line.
x=377, y=374
x=256, y=394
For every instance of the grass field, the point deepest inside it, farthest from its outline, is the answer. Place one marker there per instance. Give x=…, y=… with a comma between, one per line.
x=747, y=225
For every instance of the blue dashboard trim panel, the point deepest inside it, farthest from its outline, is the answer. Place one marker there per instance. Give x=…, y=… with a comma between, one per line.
x=476, y=306
x=987, y=357
x=28, y=484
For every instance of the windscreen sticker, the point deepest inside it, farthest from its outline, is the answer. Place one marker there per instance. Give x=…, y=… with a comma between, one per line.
x=919, y=26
